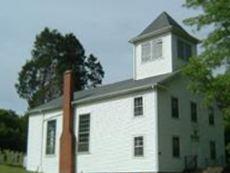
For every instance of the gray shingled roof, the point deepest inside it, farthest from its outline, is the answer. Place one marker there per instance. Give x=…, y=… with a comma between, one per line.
x=163, y=23
x=103, y=91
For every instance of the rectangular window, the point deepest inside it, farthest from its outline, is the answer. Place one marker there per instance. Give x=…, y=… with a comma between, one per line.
x=193, y=108
x=174, y=107
x=211, y=116
x=176, y=147
x=84, y=133
x=180, y=49
x=184, y=50
x=146, y=52
x=151, y=50
x=157, y=49
x=188, y=51
x=212, y=150
x=51, y=137
x=139, y=146
x=138, y=106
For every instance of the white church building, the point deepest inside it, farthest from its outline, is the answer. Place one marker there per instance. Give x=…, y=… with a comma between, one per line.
x=148, y=124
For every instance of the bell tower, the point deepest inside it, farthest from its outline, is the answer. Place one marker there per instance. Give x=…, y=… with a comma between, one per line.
x=163, y=47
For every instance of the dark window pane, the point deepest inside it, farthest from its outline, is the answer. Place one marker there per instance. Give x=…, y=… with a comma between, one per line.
x=84, y=137
x=83, y=147
x=184, y=50
x=212, y=150
x=193, y=112
x=211, y=116
x=174, y=107
x=138, y=146
x=138, y=106
x=139, y=151
x=188, y=51
x=176, y=147
x=180, y=49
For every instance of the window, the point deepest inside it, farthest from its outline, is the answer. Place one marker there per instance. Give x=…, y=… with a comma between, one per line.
x=83, y=133
x=151, y=50
x=212, y=150
x=187, y=51
x=211, y=116
x=138, y=146
x=174, y=107
x=157, y=49
x=193, y=108
x=146, y=52
x=176, y=147
x=138, y=106
x=184, y=50
x=51, y=137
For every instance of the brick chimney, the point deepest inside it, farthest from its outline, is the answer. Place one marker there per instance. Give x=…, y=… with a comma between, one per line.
x=67, y=141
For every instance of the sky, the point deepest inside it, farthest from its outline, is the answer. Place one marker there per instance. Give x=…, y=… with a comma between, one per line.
x=102, y=26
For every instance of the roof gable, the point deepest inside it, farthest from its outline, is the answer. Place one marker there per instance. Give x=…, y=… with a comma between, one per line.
x=164, y=23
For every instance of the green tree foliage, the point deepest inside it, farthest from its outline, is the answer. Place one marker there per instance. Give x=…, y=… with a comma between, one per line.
x=13, y=131
x=216, y=15
x=216, y=52
x=41, y=78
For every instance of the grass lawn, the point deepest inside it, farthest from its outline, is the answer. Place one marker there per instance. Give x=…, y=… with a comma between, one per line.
x=11, y=169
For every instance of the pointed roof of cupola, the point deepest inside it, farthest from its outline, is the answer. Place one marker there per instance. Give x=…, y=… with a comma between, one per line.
x=162, y=24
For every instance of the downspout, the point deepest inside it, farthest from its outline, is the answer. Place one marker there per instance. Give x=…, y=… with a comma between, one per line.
x=41, y=154
x=156, y=128
x=157, y=144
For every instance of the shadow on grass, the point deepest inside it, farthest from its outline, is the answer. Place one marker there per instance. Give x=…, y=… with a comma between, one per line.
x=12, y=169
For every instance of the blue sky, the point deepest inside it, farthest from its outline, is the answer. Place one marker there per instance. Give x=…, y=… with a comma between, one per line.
x=103, y=27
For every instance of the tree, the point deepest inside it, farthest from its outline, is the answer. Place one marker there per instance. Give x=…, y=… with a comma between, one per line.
x=215, y=55
x=41, y=78
x=13, y=130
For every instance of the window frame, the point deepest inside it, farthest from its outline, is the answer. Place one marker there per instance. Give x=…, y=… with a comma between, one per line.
x=193, y=115
x=212, y=149
x=141, y=107
x=84, y=133
x=155, y=47
x=176, y=154
x=143, y=47
x=211, y=116
x=140, y=146
x=152, y=50
x=172, y=99
x=184, y=49
x=47, y=151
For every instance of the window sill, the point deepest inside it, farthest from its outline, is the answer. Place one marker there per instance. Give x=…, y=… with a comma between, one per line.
x=176, y=158
x=175, y=118
x=152, y=60
x=83, y=153
x=138, y=157
x=194, y=123
x=211, y=125
x=138, y=116
x=50, y=155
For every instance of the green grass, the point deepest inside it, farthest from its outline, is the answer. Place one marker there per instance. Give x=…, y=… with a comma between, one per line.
x=11, y=169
